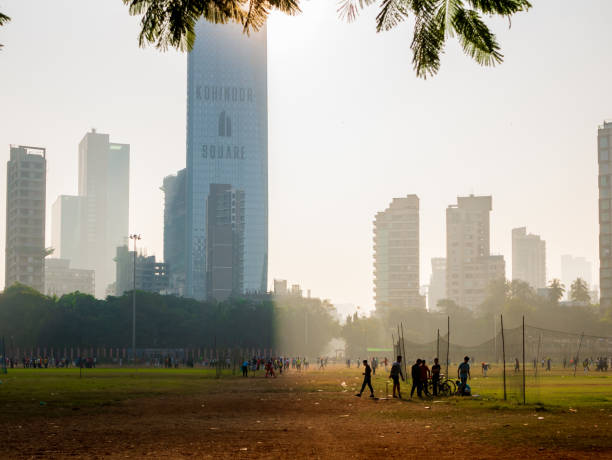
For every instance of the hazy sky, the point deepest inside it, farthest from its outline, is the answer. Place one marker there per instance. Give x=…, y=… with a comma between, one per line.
x=350, y=125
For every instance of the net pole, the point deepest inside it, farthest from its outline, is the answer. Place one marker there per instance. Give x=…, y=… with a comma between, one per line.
x=503, y=354
x=524, y=388
x=447, y=342
x=438, y=345
x=578, y=354
x=538, y=355
x=404, y=350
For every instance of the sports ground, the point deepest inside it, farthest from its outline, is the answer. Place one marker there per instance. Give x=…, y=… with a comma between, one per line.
x=175, y=413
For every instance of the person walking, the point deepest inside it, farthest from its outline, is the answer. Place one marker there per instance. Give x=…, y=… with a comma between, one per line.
x=395, y=374
x=415, y=373
x=435, y=376
x=367, y=379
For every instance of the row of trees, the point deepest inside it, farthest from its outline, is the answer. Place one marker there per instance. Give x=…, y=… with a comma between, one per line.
x=29, y=318
x=291, y=324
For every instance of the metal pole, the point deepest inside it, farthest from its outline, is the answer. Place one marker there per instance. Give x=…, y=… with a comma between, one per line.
x=447, y=342
x=404, y=351
x=538, y=355
x=524, y=395
x=438, y=345
x=503, y=353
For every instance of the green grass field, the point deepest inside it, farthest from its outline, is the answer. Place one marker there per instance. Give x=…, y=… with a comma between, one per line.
x=27, y=389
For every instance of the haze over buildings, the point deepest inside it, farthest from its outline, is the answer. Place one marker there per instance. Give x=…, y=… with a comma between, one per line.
x=437, y=283
x=357, y=162
x=604, y=143
x=26, y=179
x=470, y=267
x=227, y=145
x=528, y=258
x=396, y=255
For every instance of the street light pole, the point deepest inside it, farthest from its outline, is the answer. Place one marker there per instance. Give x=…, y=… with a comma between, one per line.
x=135, y=238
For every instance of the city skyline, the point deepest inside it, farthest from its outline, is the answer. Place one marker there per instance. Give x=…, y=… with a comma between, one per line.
x=342, y=160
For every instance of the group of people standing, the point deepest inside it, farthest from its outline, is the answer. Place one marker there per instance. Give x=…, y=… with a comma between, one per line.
x=421, y=375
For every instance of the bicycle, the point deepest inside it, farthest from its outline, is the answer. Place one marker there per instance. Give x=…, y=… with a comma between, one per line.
x=446, y=386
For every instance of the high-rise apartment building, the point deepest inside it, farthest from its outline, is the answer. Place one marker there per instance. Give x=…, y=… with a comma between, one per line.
x=104, y=169
x=437, y=283
x=25, y=217
x=227, y=143
x=175, y=208
x=60, y=279
x=225, y=221
x=67, y=216
x=528, y=258
x=470, y=267
x=604, y=144
x=396, y=255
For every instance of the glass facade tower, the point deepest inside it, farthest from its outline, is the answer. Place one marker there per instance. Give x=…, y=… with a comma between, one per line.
x=227, y=143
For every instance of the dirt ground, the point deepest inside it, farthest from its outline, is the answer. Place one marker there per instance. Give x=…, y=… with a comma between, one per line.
x=289, y=417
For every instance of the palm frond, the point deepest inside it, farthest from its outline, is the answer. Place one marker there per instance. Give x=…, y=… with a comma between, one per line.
x=428, y=43
x=392, y=12
x=256, y=15
x=449, y=9
x=477, y=40
x=290, y=7
x=348, y=10
x=3, y=20
x=500, y=7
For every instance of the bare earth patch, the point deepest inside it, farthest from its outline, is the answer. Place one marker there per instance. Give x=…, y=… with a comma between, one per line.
x=290, y=417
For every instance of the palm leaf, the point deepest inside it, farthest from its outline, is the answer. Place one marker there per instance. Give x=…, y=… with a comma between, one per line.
x=428, y=43
x=477, y=40
x=500, y=7
x=392, y=12
x=348, y=10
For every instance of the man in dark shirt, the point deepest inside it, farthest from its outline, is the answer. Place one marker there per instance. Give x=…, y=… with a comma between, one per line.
x=367, y=379
x=416, y=379
x=435, y=376
x=395, y=374
x=425, y=374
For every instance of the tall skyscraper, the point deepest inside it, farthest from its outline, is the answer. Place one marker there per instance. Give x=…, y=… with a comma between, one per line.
x=175, y=209
x=437, y=283
x=604, y=143
x=227, y=143
x=26, y=180
x=470, y=267
x=528, y=258
x=66, y=221
x=104, y=169
x=396, y=255
x=224, y=242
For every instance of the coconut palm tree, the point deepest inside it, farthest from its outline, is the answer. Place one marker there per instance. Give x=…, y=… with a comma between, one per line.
x=556, y=289
x=579, y=291
x=171, y=23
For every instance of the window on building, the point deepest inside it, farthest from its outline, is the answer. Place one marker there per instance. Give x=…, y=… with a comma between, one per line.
x=603, y=181
x=603, y=141
x=604, y=155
